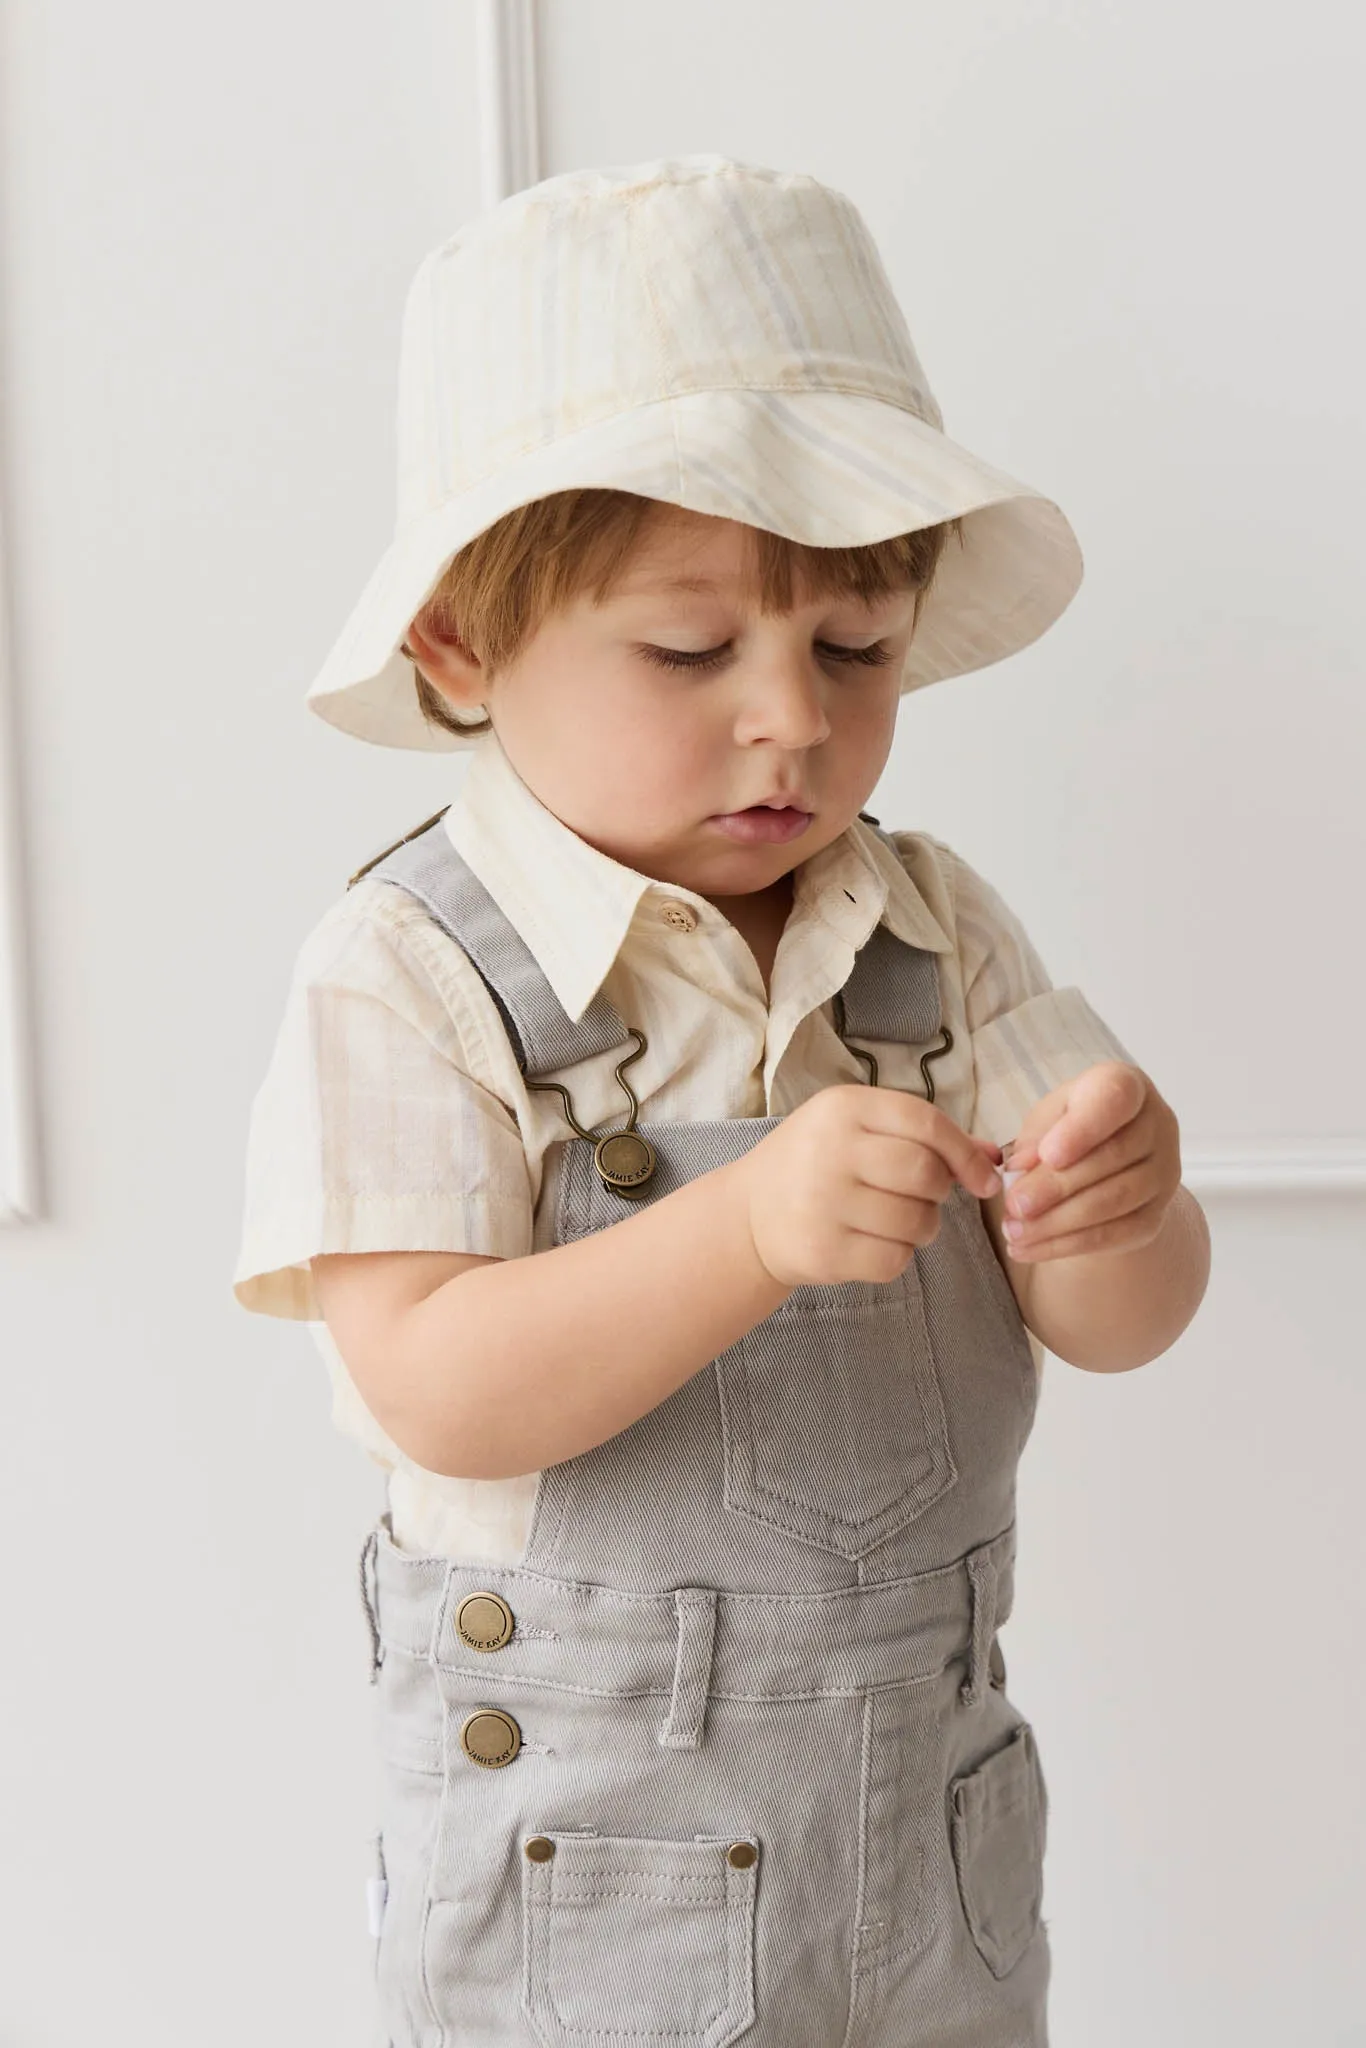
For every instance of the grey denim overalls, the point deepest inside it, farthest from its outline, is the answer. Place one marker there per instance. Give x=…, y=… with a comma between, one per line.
x=729, y=1755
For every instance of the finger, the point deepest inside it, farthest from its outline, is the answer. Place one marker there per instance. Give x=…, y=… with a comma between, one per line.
x=1095, y=1203
x=905, y=1220
x=893, y=1167
x=1120, y=1233
x=1100, y=1100
x=898, y=1113
x=965, y=1156
x=1045, y=1188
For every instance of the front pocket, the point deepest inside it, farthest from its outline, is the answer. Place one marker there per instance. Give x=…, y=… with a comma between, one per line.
x=635, y=1938
x=1000, y=1818
x=833, y=1417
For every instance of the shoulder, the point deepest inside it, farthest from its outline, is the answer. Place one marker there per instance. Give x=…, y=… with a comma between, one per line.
x=936, y=870
x=378, y=941
x=922, y=852
x=997, y=959
x=371, y=926
x=968, y=896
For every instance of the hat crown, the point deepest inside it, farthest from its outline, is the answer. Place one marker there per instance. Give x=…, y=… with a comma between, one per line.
x=591, y=293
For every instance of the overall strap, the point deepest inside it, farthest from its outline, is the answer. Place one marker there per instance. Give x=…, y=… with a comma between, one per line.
x=893, y=987
x=892, y=992
x=543, y=1038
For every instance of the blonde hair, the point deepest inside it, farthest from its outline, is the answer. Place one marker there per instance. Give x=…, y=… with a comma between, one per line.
x=495, y=593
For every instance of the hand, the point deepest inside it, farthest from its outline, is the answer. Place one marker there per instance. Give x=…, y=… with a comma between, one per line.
x=1101, y=1161
x=851, y=1181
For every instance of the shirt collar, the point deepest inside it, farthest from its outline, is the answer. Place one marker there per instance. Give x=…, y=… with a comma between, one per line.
x=536, y=868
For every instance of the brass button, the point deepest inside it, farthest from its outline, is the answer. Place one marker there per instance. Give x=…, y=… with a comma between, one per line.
x=490, y=1737
x=484, y=1621
x=740, y=1855
x=996, y=1663
x=539, y=1849
x=681, y=916
x=625, y=1161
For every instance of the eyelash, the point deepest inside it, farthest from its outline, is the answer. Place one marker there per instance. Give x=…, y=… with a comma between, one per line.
x=875, y=656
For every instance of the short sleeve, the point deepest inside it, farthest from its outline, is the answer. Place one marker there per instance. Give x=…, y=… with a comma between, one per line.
x=1027, y=1036
x=372, y=1129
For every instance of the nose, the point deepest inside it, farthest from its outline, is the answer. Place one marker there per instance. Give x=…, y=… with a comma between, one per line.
x=785, y=702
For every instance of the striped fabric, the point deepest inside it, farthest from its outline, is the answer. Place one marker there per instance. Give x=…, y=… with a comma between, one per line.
x=393, y=1116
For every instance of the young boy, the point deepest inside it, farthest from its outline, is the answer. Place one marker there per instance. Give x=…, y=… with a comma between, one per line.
x=629, y=1140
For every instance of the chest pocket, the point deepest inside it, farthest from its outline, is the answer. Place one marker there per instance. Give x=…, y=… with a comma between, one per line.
x=832, y=1415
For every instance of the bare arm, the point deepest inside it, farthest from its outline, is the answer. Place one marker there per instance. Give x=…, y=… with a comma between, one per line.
x=484, y=1368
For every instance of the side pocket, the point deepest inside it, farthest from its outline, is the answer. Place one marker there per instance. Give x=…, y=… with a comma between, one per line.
x=999, y=1818
x=637, y=1938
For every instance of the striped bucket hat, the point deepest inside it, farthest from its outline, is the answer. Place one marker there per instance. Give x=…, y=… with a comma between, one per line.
x=702, y=331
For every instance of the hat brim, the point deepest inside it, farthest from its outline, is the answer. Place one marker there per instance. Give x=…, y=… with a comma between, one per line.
x=828, y=468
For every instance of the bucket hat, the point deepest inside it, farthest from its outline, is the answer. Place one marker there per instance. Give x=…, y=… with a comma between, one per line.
x=708, y=332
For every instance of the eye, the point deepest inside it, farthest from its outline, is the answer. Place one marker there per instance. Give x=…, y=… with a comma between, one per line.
x=875, y=656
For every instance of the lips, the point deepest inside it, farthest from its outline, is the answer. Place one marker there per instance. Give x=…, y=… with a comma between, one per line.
x=763, y=823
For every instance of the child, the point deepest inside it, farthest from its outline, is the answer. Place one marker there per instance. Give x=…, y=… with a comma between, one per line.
x=629, y=1141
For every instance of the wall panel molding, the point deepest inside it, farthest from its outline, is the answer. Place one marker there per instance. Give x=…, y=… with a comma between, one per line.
x=18, y=1110
x=1252, y=1169
x=509, y=101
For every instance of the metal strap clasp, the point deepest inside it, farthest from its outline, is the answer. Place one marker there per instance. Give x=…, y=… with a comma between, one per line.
x=624, y=1159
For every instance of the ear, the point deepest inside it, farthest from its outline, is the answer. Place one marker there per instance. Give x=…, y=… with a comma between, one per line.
x=447, y=665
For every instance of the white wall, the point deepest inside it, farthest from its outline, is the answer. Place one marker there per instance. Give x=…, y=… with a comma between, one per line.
x=1125, y=243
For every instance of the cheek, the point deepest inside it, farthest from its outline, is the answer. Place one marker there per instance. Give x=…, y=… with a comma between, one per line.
x=663, y=735
x=883, y=702
x=623, y=761
x=863, y=725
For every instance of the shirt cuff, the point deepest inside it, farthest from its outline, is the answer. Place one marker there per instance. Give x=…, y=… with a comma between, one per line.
x=1025, y=1053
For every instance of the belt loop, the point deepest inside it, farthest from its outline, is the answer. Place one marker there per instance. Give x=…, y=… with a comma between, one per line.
x=982, y=1574
x=368, y=1549
x=695, y=1610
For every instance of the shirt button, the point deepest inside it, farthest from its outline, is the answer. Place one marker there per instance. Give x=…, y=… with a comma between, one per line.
x=681, y=916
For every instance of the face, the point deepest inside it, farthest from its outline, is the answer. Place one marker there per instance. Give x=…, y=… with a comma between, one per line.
x=653, y=723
